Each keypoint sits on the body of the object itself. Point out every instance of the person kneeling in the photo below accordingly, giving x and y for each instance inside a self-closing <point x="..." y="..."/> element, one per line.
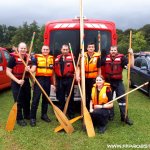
<point x="99" y="109"/>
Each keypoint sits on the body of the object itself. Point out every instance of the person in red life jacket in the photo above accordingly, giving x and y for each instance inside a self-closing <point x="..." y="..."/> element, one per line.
<point x="101" y="94"/>
<point x="64" y="71"/>
<point x="22" y="95"/>
<point x="114" y="64"/>
<point x="42" y="66"/>
<point x="92" y="69"/>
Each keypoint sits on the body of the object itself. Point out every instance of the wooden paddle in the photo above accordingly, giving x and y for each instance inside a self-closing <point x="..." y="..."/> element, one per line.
<point x="68" y="99"/>
<point x="99" y="42"/>
<point x="59" y="114"/>
<point x="13" y="112"/>
<point x="128" y="92"/>
<point x="57" y="129"/>
<point x="87" y="117"/>
<point x="129" y="68"/>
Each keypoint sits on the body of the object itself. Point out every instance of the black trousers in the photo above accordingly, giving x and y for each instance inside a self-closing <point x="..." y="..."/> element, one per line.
<point x="22" y="96"/>
<point x="118" y="87"/>
<point x="45" y="83"/>
<point x="100" y="117"/>
<point x="88" y="87"/>
<point x="62" y="90"/>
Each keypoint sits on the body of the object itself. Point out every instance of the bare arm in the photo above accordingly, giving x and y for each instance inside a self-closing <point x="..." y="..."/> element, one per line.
<point x="91" y="106"/>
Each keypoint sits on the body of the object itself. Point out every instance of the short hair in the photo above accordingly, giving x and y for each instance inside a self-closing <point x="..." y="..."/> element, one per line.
<point x="114" y="46"/>
<point x="65" y="44"/>
<point x="90" y="43"/>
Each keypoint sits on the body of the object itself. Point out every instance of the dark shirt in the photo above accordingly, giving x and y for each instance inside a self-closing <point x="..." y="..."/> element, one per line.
<point x="11" y="62"/>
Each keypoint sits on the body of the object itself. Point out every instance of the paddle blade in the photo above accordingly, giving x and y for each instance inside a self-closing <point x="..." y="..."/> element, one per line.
<point x="71" y="121"/>
<point x="88" y="123"/>
<point x="11" y="118"/>
<point x="63" y="120"/>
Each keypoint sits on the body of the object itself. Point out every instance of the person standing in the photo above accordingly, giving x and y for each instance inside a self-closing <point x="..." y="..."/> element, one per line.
<point x="20" y="88"/>
<point x="92" y="69"/>
<point x="114" y="64"/>
<point x="64" y="71"/>
<point x="101" y="94"/>
<point x="42" y="65"/>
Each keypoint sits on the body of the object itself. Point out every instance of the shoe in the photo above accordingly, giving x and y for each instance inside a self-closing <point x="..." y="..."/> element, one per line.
<point x="45" y="118"/>
<point x="102" y="129"/>
<point x="21" y="123"/>
<point x="32" y="122"/>
<point x="127" y="121"/>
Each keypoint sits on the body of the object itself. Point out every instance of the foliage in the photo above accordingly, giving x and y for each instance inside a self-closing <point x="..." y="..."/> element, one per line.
<point x="10" y="36"/>
<point x="43" y="137"/>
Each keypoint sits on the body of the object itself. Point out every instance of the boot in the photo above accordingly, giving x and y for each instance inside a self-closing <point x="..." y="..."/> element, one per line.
<point x="123" y="119"/>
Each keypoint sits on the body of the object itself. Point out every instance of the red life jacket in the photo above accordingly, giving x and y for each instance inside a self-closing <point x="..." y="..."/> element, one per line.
<point x="68" y="66"/>
<point x="18" y="70"/>
<point x="113" y="68"/>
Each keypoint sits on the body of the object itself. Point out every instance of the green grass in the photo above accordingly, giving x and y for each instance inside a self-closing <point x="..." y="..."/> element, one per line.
<point x="42" y="137"/>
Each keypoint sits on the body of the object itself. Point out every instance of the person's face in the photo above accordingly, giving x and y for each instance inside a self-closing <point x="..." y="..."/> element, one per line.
<point x="113" y="51"/>
<point x="45" y="50"/>
<point x="91" y="48"/>
<point x="99" y="81"/>
<point x="65" y="50"/>
<point x="22" y="48"/>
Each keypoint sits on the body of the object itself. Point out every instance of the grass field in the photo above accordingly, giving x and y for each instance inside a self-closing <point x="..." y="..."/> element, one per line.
<point x="42" y="137"/>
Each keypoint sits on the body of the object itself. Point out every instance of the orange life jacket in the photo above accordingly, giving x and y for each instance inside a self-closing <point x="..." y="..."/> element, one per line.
<point x="113" y="68"/>
<point x="68" y="66"/>
<point x="44" y="65"/>
<point x="91" y="70"/>
<point x="102" y="97"/>
<point x="18" y="70"/>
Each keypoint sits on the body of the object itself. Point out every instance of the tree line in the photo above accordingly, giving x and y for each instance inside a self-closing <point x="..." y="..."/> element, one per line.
<point x="10" y="36"/>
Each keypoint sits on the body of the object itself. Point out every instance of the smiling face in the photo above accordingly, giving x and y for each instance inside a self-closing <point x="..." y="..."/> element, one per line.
<point x="45" y="50"/>
<point x="99" y="81"/>
<point x="22" y="48"/>
<point x="113" y="51"/>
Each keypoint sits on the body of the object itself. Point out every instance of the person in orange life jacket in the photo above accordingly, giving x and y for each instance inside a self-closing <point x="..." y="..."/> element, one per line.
<point x="22" y="95"/>
<point x="64" y="71"/>
<point x="101" y="94"/>
<point x="114" y="64"/>
<point x="92" y="69"/>
<point x="42" y="65"/>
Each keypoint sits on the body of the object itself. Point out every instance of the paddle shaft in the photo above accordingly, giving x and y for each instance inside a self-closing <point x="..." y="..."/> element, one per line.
<point x="68" y="99"/>
<point x="128" y="93"/>
<point x="129" y="68"/>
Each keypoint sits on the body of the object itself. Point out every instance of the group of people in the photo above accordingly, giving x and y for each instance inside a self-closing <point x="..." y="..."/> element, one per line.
<point x="61" y="71"/>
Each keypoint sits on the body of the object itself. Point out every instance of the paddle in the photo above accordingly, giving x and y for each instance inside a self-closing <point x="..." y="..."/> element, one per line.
<point x="128" y="80"/>
<point x="59" y="114"/>
<point x="13" y="112"/>
<point x="87" y="118"/>
<point x="58" y="128"/>
<point x="99" y="42"/>
<point x="128" y="92"/>
<point x="68" y="99"/>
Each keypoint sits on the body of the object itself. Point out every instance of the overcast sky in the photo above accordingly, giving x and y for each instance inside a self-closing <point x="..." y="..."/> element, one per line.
<point x="125" y="13"/>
